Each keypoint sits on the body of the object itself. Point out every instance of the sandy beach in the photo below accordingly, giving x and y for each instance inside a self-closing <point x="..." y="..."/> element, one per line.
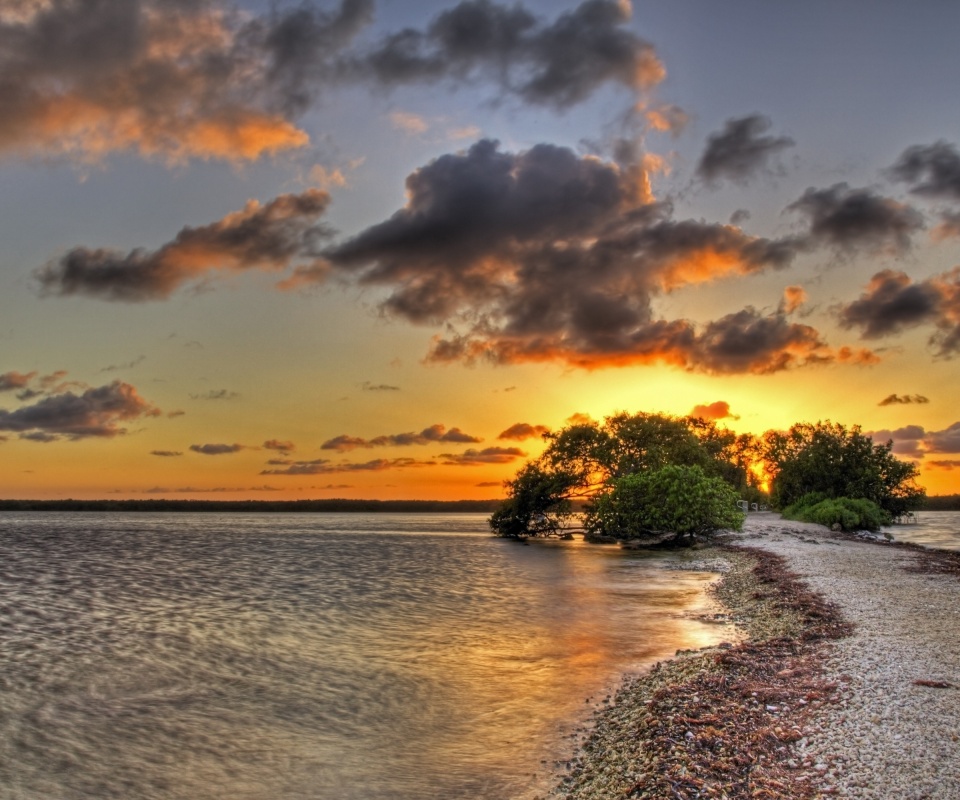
<point x="841" y="679"/>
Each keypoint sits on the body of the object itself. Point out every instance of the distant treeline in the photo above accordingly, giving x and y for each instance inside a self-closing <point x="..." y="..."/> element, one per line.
<point x="942" y="502"/>
<point x="254" y="506"/>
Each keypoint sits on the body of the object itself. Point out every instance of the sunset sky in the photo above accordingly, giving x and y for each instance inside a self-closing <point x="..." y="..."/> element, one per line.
<point x="375" y="249"/>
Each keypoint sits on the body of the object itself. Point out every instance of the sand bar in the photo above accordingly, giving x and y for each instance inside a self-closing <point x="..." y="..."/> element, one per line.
<point x="847" y="685"/>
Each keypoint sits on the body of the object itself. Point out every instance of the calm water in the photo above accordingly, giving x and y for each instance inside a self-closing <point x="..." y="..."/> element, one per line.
<point x="311" y="656"/>
<point x="939" y="529"/>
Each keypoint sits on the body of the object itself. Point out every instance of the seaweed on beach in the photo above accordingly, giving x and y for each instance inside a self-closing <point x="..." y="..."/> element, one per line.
<point x="719" y="723"/>
<point x="940" y="562"/>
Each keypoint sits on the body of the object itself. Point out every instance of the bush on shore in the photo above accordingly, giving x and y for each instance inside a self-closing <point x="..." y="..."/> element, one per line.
<point x="851" y="514"/>
<point x="664" y="505"/>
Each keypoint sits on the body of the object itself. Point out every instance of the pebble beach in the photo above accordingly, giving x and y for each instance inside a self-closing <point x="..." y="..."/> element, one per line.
<point x="841" y="678"/>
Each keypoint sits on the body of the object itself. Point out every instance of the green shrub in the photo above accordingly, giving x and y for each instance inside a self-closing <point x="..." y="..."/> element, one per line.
<point x="668" y="503"/>
<point x="849" y="513"/>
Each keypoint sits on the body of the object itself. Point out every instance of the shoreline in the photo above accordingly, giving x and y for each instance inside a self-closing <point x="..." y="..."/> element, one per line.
<point x="825" y="697"/>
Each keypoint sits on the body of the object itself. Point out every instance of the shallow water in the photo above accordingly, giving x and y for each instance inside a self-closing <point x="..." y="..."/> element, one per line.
<point x="940" y="529"/>
<point x="311" y="656"/>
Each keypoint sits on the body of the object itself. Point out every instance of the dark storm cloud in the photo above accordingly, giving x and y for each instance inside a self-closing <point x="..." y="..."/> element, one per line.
<point x="548" y="255"/>
<point x="430" y="435"/>
<point x="933" y="170"/>
<point x="268" y="237"/>
<point x="740" y="150"/>
<point x="557" y="64"/>
<point x="893" y="302"/>
<point x="748" y="341"/>
<point x="97" y="412"/>
<point x="523" y="430"/>
<point x="857" y="218"/>
<point x="216" y="449"/>
<point x="904" y="399"/>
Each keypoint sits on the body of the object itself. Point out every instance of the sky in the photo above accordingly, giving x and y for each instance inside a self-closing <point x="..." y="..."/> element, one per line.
<point x="271" y="250"/>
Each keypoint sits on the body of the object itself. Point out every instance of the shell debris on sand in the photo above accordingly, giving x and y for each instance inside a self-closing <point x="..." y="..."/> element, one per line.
<point x="831" y="695"/>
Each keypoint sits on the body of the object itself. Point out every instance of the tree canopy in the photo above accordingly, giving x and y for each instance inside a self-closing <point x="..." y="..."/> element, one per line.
<point x="833" y="461"/>
<point x="645" y="475"/>
<point x="592" y="461"/>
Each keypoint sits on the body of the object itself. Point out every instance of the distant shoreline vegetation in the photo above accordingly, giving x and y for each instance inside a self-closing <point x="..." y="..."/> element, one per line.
<point x="258" y="506"/>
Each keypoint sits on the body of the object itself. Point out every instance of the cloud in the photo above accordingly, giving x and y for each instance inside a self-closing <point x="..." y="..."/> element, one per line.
<point x="408" y="122"/>
<point x="914" y="441"/>
<point x="31" y="385"/>
<point x="665" y="118"/>
<point x="174" y="80"/>
<point x="489" y="455"/>
<point x="216" y="490"/>
<point x="579" y="418"/>
<point x="907" y="441"/>
<point x="556" y="64"/>
<point x="547" y="255"/>
<point x="216" y="449"/>
<point x="523" y="430"/>
<point x="849" y="219"/>
<point x="793" y="298"/>
<point x="166" y="453"/>
<point x="431" y="435"/>
<point x="893" y="302"/>
<point x="714" y="411"/>
<point x="126" y="365"/>
<point x="367" y="386"/>
<point x="264" y="237"/>
<point x="740" y="150"/>
<point x="487" y="484"/>
<point x="905" y="399"/>
<point x="934" y="170"/>
<point x="945" y="441"/>
<point x="323" y="466"/>
<point x="949" y="227"/>
<point x="948" y="465"/>
<point x="204" y="79"/>
<point x="280" y="446"/>
<point x="216" y="394"/>
<point x="12" y="381"/>
<point x="96" y="412"/>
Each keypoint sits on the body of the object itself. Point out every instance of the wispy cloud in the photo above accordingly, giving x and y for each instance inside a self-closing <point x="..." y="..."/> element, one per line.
<point x="523" y="430"/>
<point x="430" y="435"/>
<point x="216" y="394"/>
<point x="217" y="449"/>
<point x="903" y="399"/>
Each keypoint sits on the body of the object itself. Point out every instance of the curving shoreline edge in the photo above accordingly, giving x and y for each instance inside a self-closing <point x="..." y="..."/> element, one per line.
<point x="786" y="713"/>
